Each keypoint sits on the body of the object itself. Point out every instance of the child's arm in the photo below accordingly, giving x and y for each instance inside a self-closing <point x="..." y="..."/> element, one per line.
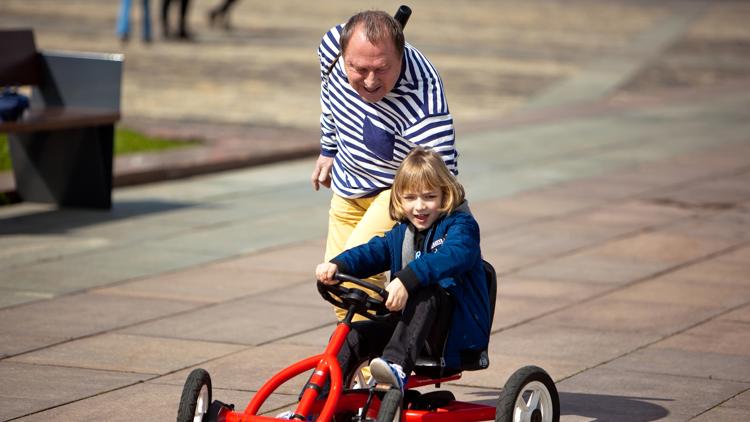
<point x="458" y="253"/>
<point x="365" y="260"/>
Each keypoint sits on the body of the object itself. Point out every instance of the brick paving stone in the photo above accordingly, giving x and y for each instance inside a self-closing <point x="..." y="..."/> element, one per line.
<point x="244" y="321"/>
<point x="624" y="395"/>
<point x="742" y="314"/>
<point x="569" y="290"/>
<point x="541" y="339"/>
<point x="505" y="263"/>
<point x="719" y="336"/>
<point x="32" y="388"/>
<point x="317" y="338"/>
<point x="710" y="273"/>
<point x="213" y="283"/>
<point x="676" y="361"/>
<point x="249" y="369"/>
<point x="522" y="299"/>
<point x="724" y="413"/>
<point x="128" y="353"/>
<point x="511" y="311"/>
<point x="304" y="294"/>
<point x="740" y="257"/>
<point x="740" y="401"/>
<point x="298" y="259"/>
<point x="631" y="215"/>
<point x="137" y="402"/>
<point x="660" y="248"/>
<point x="590" y="266"/>
<point x="732" y="225"/>
<point x="548" y="239"/>
<point x="609" y="314"/>
<point x="673" y="288"/>
<point x="34" y="325"/>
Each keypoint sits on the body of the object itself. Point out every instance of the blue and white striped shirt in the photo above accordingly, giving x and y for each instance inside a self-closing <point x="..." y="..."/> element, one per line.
<point x="369" y="140"/>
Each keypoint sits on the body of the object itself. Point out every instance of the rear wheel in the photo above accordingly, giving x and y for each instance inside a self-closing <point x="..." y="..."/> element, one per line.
<point x="529" y="395"/>
<point x="196" y="397"/>
<point x="360" y="377"/>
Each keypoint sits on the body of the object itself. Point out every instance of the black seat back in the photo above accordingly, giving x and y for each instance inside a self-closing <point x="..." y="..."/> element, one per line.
<point x="430" y="362"/>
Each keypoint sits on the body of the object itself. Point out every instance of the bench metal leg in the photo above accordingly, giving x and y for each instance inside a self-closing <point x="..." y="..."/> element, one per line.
<point x="71" y="167"/>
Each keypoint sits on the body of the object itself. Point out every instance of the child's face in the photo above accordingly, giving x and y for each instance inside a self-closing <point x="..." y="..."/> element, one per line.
<point x="422" y="208"/>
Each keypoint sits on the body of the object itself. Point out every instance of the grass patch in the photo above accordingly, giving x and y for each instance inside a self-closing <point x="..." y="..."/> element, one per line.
<point x="4" y="153"/>
<point x="126" y="142"/>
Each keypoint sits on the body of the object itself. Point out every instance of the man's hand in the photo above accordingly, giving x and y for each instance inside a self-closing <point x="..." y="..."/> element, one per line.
<point x="321" y="174"/>
<point x="325" y="272"/>
<point x="397" y="295"/>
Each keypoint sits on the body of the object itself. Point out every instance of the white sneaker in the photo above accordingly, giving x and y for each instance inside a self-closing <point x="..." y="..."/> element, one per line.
<point x="385" y="372"/>
<point x="285" y="415"/>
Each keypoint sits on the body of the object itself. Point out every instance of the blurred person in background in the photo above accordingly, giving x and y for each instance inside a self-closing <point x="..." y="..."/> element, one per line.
<point x="123" y="21"/>
<point x="219" y="14"/>
<point x="183" y="33"/>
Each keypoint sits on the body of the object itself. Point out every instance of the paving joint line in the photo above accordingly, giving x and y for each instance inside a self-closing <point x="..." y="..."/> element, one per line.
<point x="115" y="330"/>
<point x="651" y="343"/>
<point x="623" y="286"/>
<point x="720" y="403"/>
<point x="697" y="215"/>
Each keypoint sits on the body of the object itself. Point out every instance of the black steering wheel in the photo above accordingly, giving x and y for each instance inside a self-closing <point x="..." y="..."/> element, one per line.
<point x="356" y="298"/>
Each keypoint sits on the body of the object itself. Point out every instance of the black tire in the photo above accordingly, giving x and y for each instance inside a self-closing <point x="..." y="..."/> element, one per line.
<point x="196" y="397"/>
<point x="390" y="406"/>
<point x="529" y="394"/>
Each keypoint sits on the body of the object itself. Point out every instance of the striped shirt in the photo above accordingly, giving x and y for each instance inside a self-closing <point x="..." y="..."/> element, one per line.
<point x="369" y="140"/>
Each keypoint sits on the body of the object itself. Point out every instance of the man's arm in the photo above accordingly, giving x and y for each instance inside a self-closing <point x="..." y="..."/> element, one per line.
<point x="321" y="174"/>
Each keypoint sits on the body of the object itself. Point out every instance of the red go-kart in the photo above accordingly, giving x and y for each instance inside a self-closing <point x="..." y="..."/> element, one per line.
<point x="529" y="394"/>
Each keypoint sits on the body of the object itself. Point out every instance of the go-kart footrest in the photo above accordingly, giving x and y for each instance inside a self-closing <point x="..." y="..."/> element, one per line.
<point x="216" y="408"/>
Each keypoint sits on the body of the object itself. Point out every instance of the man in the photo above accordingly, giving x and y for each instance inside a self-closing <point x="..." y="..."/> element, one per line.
<point x="379" y="100"/>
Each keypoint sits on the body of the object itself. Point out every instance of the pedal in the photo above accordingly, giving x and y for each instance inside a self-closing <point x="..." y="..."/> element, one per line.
<point x="383" y="387"/>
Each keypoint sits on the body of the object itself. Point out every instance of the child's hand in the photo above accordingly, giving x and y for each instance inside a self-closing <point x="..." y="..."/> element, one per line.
<point x="325" y="272"/>
<point x="397" y="295"/>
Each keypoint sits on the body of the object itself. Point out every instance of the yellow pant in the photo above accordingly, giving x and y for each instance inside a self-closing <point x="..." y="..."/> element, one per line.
<point x="352" y="222"/>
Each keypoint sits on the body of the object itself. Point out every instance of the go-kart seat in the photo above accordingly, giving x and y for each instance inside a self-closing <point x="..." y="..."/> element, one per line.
<point x="430" y="363"/>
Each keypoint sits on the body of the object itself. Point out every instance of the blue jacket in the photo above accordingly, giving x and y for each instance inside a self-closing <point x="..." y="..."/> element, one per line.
<point x="452" y="259"/>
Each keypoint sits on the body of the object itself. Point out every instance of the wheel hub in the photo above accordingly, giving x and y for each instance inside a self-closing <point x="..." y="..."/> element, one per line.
<point x="536" y="416"/>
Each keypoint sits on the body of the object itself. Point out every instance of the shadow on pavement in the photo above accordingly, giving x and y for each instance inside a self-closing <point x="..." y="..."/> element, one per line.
<point x="598" y="407"/>
<point x="602" y="407"/>
<point x="56" y="221"/>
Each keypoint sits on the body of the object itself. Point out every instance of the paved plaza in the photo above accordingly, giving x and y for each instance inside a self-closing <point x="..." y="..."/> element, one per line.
<point x="605" y="150"/>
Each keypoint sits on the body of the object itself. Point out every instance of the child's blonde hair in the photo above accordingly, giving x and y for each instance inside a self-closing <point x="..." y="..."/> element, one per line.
<point x="424" y="170"/>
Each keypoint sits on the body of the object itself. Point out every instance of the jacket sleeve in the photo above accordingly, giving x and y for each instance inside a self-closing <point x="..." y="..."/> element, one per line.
<point x="373" y="257"/>
<point x="456" y="255"/>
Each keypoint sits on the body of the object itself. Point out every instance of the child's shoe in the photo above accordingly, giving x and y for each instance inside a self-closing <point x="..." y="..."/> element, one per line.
<point x="388" y="373"/>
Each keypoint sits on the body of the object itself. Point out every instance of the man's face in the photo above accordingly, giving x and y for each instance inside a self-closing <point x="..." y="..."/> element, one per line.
<point x="372" y="69"/>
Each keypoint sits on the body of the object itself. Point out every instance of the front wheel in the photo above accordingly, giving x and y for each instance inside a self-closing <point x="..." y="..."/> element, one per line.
<point x="390" y="406"/>
<point x="529" y="395"/>
<point x="196" y="397"/>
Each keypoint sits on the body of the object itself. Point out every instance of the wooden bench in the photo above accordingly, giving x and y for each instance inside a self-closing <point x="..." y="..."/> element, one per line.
<point x="62" y="148"/>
